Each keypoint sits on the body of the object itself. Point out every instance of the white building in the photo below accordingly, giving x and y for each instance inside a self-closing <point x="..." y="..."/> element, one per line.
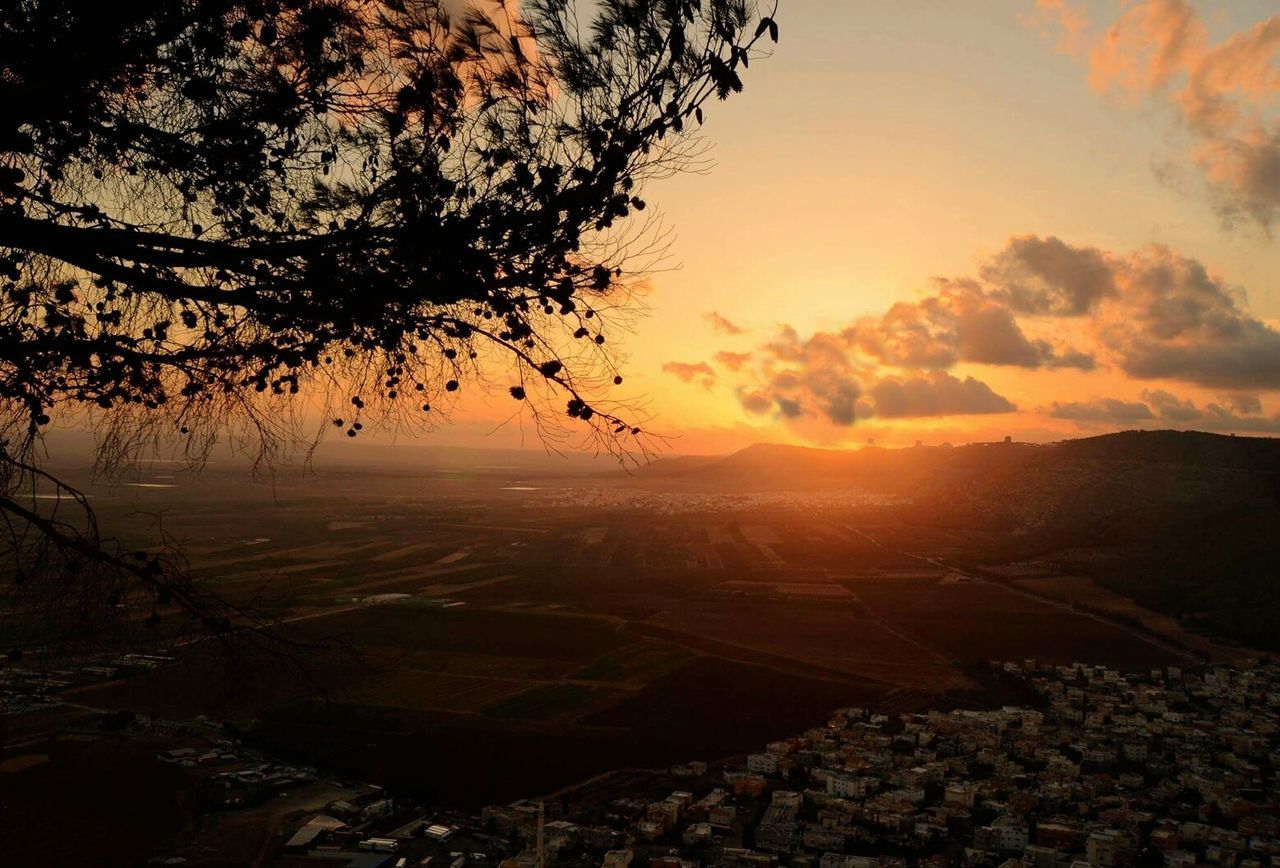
<point x="762" y="763"/>
<point x="1009" y="835"/>
<point x="1102" y="849"/>
<point x="847" y="787"/>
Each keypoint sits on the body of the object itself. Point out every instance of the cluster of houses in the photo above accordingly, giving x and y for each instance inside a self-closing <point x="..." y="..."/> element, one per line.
<point x="683" y="502"/>
<point x="27" y="688"/>
<point x="368" y="829"/>
<point x="1166" y="769"/>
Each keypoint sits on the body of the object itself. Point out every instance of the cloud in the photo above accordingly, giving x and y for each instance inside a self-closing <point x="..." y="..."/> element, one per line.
<point x="756" y="403"/>
<point x="722" y="325"/>
<point x="822" y="378"/>
<point x="1046" y="276"/>
<point x="1161" y="408"/>
<point x="1244" y="175"/>
<point x="1063" y="16"/>
<point x="812" y="377"/>
<point x="1171" y="407"/>
<point x="960" y="323"/>
<point x="1109" y="410"/>
<point x="692" y="371"/>
<point x="1244" y="403"/>
<point x="1224" y="94"/>
<point x="1147" y="46"/>
<point x="1218" y="418"/>
<point x="733" y="362"/>
<point x="935" y="393"/>
<point x="789" y="407"/>
<point x="1152" y="314"/>
<point x="1156" y="313"/>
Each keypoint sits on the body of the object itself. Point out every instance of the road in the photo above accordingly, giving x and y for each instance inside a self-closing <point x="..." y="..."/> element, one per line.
<point x="1137" y="633"/>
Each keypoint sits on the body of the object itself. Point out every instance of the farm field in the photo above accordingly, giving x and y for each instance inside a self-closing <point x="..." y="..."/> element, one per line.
<point x="456" y="637"/>
<point x="1087" y="595"/>
<point x="948" y="616"/>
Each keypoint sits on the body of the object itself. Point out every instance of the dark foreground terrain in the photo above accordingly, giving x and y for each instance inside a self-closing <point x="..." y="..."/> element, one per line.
<point x="477" y="632"/>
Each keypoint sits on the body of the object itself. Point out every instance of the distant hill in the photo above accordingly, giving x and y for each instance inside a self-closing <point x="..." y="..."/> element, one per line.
<point x="768" y="466"/>
<point x="1184" y="522"/>
<point x="1195" y="448"/>
<point x="924" y="469"/>
<point x="1107" y="487"/>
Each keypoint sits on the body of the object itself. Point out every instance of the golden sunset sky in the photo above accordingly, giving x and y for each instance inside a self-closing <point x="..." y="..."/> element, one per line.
<point x="955" y="221"/>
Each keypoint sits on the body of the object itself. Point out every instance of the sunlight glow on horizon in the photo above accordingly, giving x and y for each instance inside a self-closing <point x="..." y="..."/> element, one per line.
<point x="887" y="144"/>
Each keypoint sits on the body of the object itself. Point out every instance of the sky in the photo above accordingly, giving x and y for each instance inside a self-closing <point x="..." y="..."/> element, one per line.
<point x="940" y="222"/>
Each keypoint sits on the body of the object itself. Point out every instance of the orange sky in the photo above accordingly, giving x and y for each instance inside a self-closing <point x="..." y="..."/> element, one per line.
<point x="956" y="221"/>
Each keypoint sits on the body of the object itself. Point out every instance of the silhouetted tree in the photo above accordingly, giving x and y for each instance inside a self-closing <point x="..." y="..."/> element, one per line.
<point x="210" y="206"/>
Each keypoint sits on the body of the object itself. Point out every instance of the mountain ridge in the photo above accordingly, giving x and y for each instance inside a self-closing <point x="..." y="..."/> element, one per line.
<point x="777" y="465"/>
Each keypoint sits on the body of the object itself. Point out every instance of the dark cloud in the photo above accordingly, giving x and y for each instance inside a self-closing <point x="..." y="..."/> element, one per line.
<point x="812" y="377"/>
<point x="733" y="361"/>
<point x="756" y="403"/>
<point x="1244" y="171"/>
<point x="837" y="401"/>
<point x="1160" y="408"/>
<point x="820" y="378"/>
<point x="1250" y="360"/>
<point x="1107" y="410"/>
<point x="905" y="336"/>
<point x="1171" y="407"/>
<point x="1248" y="404"/>
<point x="961" y="322"/>
<point x="1219" y="418"/>
<point x="1153" y="314"/>
<point x="789" y="407"/>
<point x="1158" y="314"/>
<point x="1046" y="276"/>
<point x="722" y="325"/>
<point x="692" y="371"/>
<point x="1078" y="359"/>
<point x="1240" y="413"/>
<point x="935" y="393"/>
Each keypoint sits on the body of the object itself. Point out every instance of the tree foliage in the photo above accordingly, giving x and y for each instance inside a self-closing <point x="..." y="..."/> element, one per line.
<point x="219" y="218"/>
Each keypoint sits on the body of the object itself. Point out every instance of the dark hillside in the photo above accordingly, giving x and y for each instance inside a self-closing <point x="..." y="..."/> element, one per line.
<point x="1184" y="522"/>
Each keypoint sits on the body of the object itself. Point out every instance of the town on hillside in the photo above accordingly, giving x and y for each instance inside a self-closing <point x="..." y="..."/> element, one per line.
<point x="1171" y="767"/>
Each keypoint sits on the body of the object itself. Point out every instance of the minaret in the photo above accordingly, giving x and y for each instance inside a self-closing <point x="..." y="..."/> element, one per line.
<point x="541" y="856"/>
